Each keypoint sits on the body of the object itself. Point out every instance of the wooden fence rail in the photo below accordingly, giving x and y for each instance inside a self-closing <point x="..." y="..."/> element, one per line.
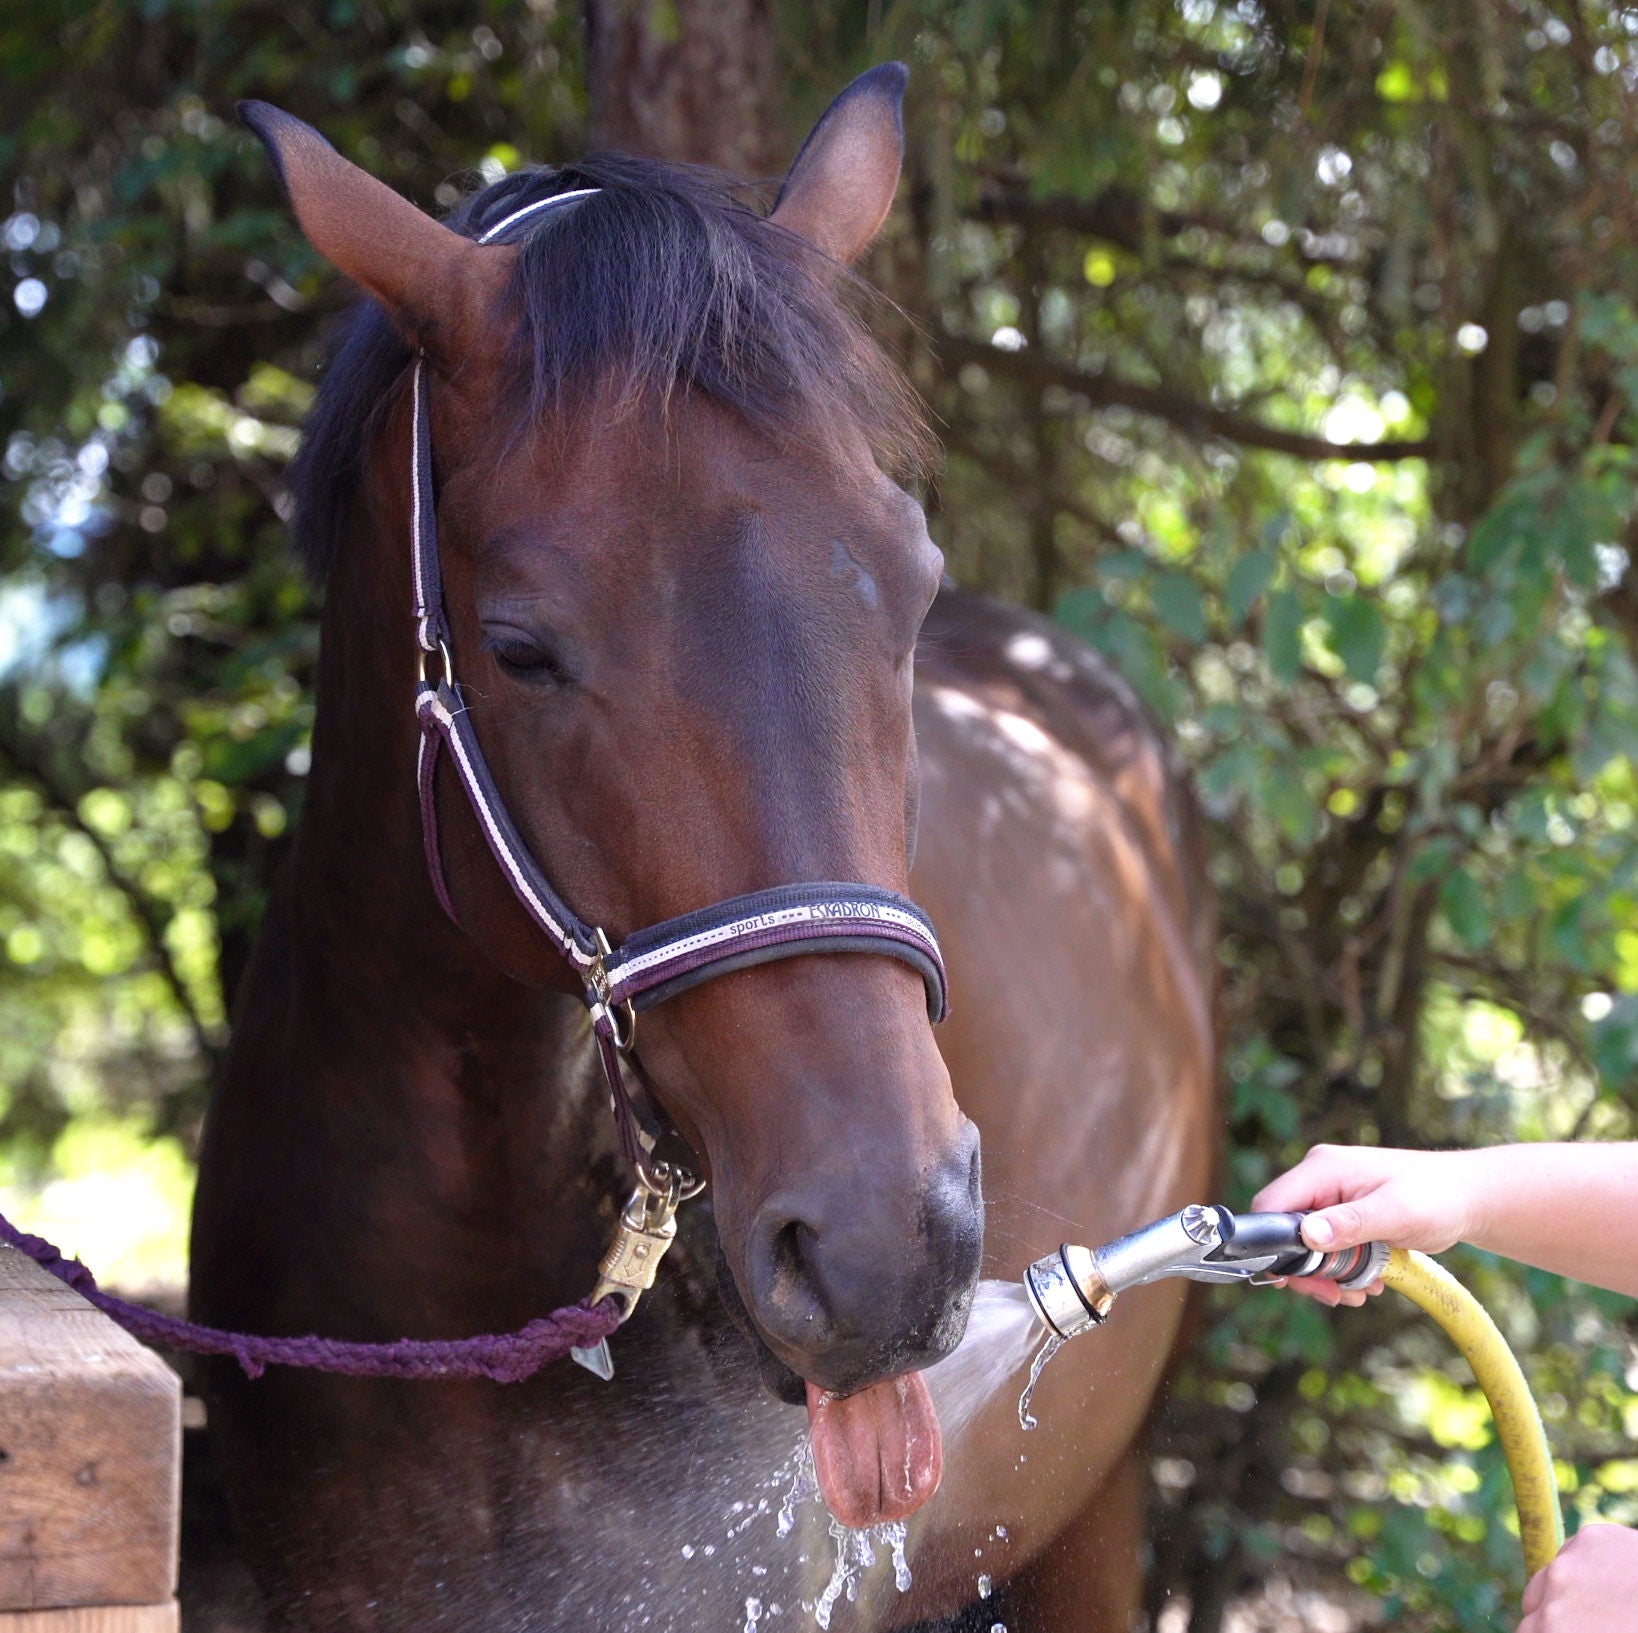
<point x="90" y="1466"/>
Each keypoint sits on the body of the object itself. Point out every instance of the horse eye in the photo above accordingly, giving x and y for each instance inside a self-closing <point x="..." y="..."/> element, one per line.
<point x="527" y="657"/>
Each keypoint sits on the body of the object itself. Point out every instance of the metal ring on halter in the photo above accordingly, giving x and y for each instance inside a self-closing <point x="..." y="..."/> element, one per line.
<point x="598" y="976"/>
<point x="665" y="1180"/>
<point x="445" y="657"/>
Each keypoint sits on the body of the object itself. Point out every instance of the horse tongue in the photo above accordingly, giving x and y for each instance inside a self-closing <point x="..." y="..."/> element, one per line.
<point x="879" y="1454"/>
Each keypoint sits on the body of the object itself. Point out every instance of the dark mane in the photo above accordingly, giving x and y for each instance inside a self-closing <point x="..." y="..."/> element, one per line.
<point x="665" y="278"/>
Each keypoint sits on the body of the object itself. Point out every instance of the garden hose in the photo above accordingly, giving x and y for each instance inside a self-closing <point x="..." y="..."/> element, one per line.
<point x="1518" y="1423"/>
<point x="1073" y="1290"/>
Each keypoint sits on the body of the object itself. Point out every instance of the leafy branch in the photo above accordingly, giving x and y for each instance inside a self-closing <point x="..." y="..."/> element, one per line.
<point x="1186" y="414"/>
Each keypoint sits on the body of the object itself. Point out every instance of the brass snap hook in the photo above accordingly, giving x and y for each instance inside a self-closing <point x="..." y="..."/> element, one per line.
<point x="647" y="1228"/>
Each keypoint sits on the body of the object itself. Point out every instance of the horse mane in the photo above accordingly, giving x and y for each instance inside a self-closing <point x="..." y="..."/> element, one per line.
<point x="666" y="278"/>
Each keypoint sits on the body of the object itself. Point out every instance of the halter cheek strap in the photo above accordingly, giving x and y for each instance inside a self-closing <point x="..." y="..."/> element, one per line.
<point x="650" y="965"/>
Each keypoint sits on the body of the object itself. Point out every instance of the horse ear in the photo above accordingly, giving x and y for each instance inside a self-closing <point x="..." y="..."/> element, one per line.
<point x="430" y="280"/>
<point x="841" y="187"/>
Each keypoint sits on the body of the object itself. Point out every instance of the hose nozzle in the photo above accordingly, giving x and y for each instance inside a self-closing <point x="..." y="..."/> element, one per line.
<point x="1067" y="1291"/>
<point x="1073" y="1289"/>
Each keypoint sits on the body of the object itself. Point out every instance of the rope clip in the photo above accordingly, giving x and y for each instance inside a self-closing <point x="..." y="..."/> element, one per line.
<point x="642" y="1238"/>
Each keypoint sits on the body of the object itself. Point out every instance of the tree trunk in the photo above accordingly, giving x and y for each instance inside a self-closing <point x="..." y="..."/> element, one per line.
<point x="685" y="79"/>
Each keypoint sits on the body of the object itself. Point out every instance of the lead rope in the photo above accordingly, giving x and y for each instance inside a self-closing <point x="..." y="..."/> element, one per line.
<point x="503" y="1357"/>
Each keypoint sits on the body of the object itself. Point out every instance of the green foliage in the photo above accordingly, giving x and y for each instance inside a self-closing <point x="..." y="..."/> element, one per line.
<point x="1167" y="263"/>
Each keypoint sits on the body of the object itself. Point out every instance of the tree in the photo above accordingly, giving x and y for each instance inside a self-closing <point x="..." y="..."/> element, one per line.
<point x="695" y="80"/>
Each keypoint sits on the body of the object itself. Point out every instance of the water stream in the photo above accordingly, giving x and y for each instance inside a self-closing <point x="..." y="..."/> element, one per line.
<point x="1050" y="1346"/>
<point x="1001" y="1333"/>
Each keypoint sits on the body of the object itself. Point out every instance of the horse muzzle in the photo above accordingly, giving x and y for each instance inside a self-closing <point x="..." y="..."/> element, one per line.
<point x="851" y="1282"/>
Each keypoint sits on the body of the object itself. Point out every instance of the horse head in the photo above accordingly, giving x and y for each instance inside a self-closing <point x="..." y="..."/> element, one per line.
<point x="683" y="591"/>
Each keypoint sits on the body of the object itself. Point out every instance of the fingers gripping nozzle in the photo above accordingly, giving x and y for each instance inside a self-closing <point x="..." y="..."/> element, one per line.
<point x="1074" y="1288"/>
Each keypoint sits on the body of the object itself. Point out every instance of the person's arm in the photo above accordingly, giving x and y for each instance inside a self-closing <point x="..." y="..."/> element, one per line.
<point x="1568" y="1208"/>
<point x="1592" y="1585"/>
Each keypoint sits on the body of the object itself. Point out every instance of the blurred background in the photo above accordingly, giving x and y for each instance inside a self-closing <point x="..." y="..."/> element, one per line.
<point x="1287" y="352"/>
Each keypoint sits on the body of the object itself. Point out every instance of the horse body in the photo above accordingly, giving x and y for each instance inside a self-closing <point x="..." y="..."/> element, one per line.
<point x="410" y="1138"/>
<point x="1060" y="857"/>
<point x="400" y="1150"/>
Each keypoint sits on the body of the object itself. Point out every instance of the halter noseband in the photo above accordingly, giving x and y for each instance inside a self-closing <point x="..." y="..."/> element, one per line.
<point x="665" y="959"/>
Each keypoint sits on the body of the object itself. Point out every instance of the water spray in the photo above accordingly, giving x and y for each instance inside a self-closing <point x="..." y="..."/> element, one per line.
<point x="1073" y="1290"/>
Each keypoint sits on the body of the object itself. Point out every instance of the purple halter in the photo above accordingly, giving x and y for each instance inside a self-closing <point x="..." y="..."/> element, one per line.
<point x="656" y="963"/>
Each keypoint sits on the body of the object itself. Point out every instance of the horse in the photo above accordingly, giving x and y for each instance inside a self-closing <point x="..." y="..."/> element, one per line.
<point x="706" y="644"/>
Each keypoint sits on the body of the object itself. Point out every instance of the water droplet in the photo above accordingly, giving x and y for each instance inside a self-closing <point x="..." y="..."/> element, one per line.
<point x="688" y="1550"/>
<point x="855" y="1554"/>
<point x="1047" y="1350"/>
<point x="896" y="1534"/>
<point x="998" y="1627"/>
<point x="709" y="1549"/>
<point x="985" y="1586"/>
<point x="804" y="1486"/>
<point x="840" y="1576"/>
<point x="753" y="1614"/>
<point x="1001" y="1532"/>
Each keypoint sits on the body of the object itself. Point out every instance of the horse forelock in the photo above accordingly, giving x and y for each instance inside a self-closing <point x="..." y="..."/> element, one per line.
<point x="667" y="277"/>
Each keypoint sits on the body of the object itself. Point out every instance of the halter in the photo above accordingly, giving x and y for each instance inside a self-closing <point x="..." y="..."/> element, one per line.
<point x="650" y="965"/>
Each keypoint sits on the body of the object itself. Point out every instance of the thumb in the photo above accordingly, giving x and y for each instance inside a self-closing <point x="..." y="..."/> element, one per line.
<point x="1383" y="1215"/>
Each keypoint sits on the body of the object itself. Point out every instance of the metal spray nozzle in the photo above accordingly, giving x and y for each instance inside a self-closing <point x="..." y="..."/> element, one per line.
<point x="1074" y="1288"/>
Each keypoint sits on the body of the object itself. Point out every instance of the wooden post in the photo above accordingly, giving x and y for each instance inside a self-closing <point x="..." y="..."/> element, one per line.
<point x="90" y="1466"/>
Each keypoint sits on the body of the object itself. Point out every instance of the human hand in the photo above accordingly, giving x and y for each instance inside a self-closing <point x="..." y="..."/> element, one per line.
<point x="1357" y="1194"/>
<point x="1592" y="1587"/>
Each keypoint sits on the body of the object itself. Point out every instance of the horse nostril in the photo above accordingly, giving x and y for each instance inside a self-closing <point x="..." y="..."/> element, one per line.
<point x="794" y="1254"/>
<point x="787" y="1282"/>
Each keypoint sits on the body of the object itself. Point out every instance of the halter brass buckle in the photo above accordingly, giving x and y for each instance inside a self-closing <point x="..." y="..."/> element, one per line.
<point x="647" y="1228"/>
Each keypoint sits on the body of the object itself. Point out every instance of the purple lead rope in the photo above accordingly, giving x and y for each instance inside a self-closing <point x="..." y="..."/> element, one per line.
<point x="503" y="1357"/>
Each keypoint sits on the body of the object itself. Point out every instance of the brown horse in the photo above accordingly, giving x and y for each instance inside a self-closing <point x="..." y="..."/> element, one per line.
<point x="685" y="595"/>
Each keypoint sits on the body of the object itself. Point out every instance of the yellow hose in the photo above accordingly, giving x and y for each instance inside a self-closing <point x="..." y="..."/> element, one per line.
<point x="1518" y="1423"/>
